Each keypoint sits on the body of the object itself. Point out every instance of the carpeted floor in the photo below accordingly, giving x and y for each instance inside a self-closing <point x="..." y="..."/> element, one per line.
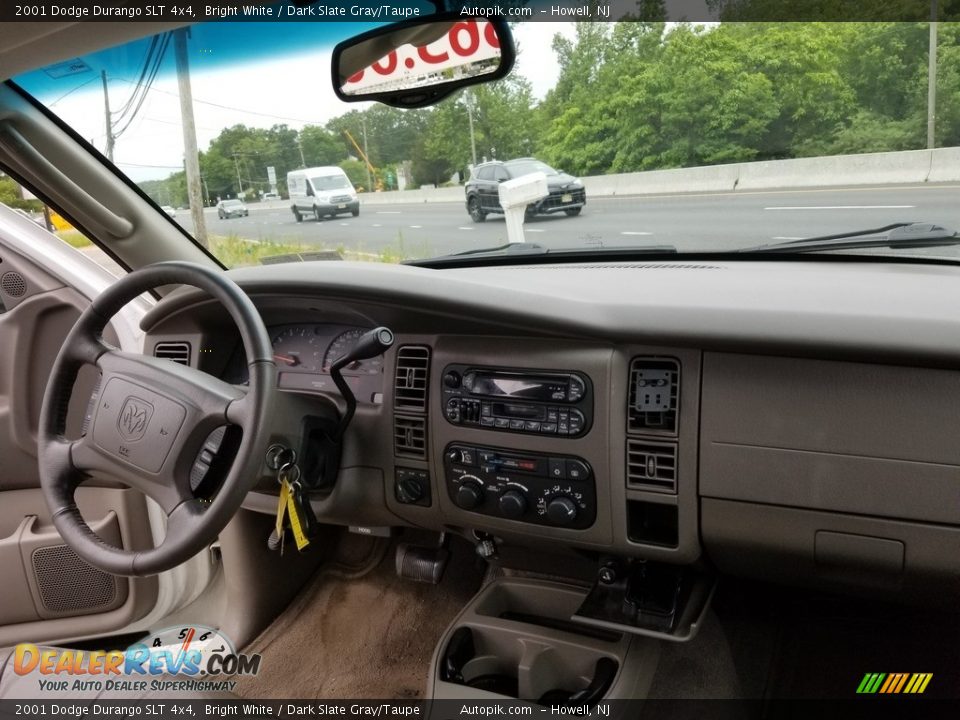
<point x="359" y="631"/>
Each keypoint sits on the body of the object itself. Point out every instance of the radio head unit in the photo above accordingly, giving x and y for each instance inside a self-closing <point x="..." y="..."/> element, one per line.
<point x="541" y="402"/>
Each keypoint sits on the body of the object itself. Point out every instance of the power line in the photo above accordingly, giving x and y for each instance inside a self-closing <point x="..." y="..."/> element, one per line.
<point x="141" y="165"/>
<point x="70" y="92"/>
<point x="158" y="61"/>
<point x="228" y="107"/>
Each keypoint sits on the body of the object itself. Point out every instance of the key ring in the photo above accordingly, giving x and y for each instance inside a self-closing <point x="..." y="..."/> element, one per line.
<point x="289" y="472"/>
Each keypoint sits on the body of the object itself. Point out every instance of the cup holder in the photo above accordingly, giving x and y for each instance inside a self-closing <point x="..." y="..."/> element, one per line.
<point x="524" y="668"/>
<point x="490" y="675"/>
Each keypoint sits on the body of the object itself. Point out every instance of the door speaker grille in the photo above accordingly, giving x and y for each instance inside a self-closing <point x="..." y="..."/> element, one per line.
<point x="13" y="284"/>
<point x="68" y="584"/>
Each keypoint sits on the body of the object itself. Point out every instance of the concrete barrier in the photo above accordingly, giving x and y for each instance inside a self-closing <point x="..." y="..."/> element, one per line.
<point x="893" y="168"/>
<point x="945" y="165"/>
<point x="912" y="166"/>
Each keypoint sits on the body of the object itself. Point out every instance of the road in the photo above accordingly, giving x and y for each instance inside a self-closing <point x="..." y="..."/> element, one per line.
<point x="689" y="222"/>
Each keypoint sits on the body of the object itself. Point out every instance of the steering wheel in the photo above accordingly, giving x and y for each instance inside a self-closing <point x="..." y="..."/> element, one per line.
<point x="151" y="419"/>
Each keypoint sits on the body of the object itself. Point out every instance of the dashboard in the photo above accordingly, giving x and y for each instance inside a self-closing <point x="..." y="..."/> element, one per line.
<point x="789" y="421"/>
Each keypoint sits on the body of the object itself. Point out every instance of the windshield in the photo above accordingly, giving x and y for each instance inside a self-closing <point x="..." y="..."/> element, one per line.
<point x="525" y="167"/>
<point x="330" y="182"/>
<point x="232" y="203"/>
<point x="699" y="137"/>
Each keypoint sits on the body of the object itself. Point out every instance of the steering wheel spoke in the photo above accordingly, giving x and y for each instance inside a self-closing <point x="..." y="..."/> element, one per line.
<point x="90" y="460"/>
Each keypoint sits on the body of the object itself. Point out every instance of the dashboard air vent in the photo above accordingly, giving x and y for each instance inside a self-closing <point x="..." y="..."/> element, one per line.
<point x="410" y="436"/>
<point x="654" y="395"/>
<point x="412" y="376"/>
<point x="179" y="352"/>
<point x="652" y="466"/>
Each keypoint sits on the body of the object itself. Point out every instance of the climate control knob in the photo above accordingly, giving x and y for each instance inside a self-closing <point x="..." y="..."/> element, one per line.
<point x="561" y="511"/>
<point x="470" y="493"/>
<point x="513" y="504"/>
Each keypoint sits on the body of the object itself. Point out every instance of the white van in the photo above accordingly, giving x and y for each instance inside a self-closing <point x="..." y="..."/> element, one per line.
<point x="321" y="191"/>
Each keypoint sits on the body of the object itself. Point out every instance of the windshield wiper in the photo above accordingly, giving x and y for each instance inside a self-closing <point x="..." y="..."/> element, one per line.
<point x="518" y="253"/>
<point x="905" y="235"/>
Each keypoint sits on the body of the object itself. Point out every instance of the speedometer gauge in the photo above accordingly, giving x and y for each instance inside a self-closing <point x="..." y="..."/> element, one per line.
<point x="297" y="348"/>
<point x="344" y="342"/>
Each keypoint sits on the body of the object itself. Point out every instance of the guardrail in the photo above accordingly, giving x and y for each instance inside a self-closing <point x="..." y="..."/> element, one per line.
<point x="892" y="168"/>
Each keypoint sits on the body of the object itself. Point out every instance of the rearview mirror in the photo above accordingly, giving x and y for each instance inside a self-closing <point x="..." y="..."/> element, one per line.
<point x="419" y="62"/>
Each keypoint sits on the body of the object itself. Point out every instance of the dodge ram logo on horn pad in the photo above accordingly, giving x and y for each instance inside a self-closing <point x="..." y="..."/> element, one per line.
<point x="134" y="418"/>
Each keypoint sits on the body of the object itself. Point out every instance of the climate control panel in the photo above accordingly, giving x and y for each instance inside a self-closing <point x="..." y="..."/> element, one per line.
<point x="554" y="490"/>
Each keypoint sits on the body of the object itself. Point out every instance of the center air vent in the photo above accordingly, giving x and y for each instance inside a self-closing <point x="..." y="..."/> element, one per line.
<point x="651" y="466"/>
<point x="654" y="396"/>
<point x="410" y="436"/>
<point x="178" y="352"/>
<point x="410" y="386"/>
<point x="413" y="371"/>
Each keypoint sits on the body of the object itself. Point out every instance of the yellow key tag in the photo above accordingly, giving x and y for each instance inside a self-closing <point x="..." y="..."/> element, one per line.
<point x="282" y="507"/>
<point x="295" y="523"/>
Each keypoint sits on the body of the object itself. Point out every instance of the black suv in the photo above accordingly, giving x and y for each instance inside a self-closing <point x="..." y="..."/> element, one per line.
<point x="483" y="188"/>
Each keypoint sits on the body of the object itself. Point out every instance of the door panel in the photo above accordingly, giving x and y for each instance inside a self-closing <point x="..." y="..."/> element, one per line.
<point x="47" y="593"/>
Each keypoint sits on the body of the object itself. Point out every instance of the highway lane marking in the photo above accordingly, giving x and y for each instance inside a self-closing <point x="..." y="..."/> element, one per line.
<point x="839" y="207"/>
<point x="787" y="237"/>
<point x="635" y="232"/>
<point x="377" y="225"/>
<point x="534" y="230"/>
<point x="388" y="212"/>
<point x="464" y="228"/>
<point x="416" y="227"/>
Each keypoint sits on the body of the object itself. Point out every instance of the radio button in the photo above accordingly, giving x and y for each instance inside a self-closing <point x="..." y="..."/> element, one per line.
<point x="486" y="421"/>
<point x="553" y="415"/>
<point x="549" y="428"/>
<point x="531" y="426"/>
<point x="576" y="422"/>
<point x="501" y="422"/>
<point x="576" y="389"/>
<point x="453" y="410"/>
<point x="486" y="410"/>
<point x="452" y="379"/>
<point x="516" y="424"/>
<point x="577" y="470"/>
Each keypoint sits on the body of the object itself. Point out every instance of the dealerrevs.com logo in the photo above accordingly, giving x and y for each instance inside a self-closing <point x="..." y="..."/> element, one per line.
<point x="185" y="658"/>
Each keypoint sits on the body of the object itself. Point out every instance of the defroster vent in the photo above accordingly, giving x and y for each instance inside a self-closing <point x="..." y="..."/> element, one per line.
<point x="652" y="466"/>
<point x="654" y="396"/>
<point x="178" y="352"/>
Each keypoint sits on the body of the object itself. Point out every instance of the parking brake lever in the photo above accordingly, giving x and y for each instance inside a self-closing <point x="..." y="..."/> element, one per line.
<point x="371" y="344"/>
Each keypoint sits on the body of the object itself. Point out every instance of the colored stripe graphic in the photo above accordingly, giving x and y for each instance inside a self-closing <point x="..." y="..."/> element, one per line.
<point x="894" y="683"/>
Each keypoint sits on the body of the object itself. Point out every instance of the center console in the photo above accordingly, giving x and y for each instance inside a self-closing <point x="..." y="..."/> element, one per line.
<point x="516" y="640"/>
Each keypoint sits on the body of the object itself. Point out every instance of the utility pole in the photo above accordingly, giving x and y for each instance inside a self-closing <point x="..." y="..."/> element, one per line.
<point x="366" y="153"/>
<point x="191" y="154"/>
<point x="303" y="163"/>
<point x="932" y="79"/>
<point x="468" y="98"/>
<point x="236" y="164"/>
<point x="106" y="115"/>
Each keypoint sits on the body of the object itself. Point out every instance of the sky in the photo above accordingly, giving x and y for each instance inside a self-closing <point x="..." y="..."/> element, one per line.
<point x="294" y="89"/>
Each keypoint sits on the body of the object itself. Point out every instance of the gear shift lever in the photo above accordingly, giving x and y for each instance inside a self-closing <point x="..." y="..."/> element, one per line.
<point x="371" y="343"/>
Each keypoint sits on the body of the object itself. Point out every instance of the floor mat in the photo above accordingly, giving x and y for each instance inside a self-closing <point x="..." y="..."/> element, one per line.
<point x="360" y="631"/>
